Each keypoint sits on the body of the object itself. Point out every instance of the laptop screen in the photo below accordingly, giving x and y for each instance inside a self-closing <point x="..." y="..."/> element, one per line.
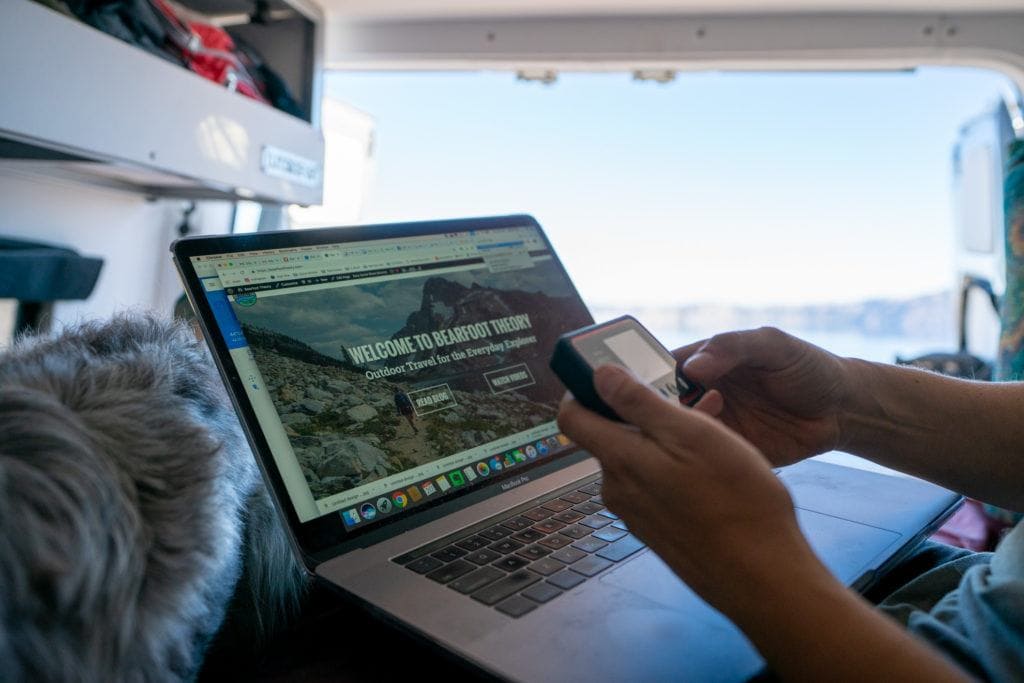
<point x="386" y="374"/>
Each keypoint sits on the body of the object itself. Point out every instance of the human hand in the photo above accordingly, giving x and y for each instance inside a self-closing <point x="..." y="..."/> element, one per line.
<point x="706" y="501"/>
<point x="702" y="497"/>
<point x="782" y="394"/>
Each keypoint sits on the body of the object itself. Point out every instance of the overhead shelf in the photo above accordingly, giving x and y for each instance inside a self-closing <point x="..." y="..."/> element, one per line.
<point x="91" y="107"/>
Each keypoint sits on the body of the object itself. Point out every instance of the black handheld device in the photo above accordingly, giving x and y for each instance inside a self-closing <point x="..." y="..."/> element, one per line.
<point x="622" y="341"/>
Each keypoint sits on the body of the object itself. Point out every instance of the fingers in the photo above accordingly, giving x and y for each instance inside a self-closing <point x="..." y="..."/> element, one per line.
<point x="711" y="403"/>
<point x="610" y="442"/>
<point x="765" y="347"/>
<point x="684" y="352"/>
<point x="639" y="405"/>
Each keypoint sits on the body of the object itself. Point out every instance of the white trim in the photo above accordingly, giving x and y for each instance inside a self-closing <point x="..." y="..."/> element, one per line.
<point x="615" y="43"/>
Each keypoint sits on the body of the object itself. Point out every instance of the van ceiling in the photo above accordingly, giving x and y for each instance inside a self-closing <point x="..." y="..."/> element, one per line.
<point x="538" y="38"/>
<point x="438" y="9"/>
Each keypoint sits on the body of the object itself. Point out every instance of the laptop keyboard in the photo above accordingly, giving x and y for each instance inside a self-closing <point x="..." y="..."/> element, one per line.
<point x="529" y="557"/>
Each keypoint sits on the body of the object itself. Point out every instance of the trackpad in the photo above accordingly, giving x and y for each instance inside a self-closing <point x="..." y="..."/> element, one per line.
<point x="683" y="639"/>
<point x="847" y="548"/>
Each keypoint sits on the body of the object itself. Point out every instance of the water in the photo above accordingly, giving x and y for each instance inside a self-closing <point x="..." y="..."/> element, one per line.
<point x="881" y="348"/>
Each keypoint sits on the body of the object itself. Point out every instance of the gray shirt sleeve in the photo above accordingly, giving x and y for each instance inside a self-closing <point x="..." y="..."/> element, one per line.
<point x="972" y="609"/>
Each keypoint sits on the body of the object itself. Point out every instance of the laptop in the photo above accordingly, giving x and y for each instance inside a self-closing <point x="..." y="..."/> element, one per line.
<point x="393" y="382"/>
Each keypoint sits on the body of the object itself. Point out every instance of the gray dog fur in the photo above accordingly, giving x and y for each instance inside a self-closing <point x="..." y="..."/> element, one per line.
<point x="131" y="509"/>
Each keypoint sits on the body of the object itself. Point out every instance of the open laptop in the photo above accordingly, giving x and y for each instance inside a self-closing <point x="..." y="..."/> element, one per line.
<point x="393" y="382"/>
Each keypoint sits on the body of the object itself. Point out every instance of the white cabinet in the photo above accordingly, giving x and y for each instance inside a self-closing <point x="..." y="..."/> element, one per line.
<point x="78" y="103"/>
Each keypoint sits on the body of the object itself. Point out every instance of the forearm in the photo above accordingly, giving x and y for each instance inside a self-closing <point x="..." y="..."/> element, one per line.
<point x="967" y="436"/>
<point x="809" y="627"/>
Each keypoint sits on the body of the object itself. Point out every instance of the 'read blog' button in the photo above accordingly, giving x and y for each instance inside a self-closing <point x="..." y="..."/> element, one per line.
<point x="432" y="399"/>
<point x="507" y="379"/>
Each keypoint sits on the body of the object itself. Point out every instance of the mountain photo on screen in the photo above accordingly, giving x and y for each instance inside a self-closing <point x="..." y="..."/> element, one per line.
<point x="373" y="379"/>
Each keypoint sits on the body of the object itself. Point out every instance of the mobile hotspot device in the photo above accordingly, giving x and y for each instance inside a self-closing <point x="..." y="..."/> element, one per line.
<point x="625" y="342"/>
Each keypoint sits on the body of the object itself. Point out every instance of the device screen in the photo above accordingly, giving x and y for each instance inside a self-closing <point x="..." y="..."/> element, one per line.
<point x="639" y="356"/>
<point x="628" y="344"/>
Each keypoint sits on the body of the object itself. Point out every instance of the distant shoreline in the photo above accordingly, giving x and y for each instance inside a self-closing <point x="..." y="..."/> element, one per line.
<point x="928" y="316"/>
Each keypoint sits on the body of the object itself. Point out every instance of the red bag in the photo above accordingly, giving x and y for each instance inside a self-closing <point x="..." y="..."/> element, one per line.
<point x="210" y="52"/>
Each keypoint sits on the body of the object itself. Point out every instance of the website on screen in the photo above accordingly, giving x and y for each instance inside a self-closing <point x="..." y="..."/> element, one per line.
<point x="387" y="373"/>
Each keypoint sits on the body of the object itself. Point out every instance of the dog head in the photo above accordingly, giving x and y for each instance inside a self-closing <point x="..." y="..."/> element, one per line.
<point x="128" y="498"/>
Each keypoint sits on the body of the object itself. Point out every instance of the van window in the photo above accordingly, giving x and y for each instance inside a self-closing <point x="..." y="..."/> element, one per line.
<point x="820" y="203"/>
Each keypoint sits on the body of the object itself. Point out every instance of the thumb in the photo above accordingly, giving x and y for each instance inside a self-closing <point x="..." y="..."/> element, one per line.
<point x="764" y="348"/>
<point x="638" y="404"/>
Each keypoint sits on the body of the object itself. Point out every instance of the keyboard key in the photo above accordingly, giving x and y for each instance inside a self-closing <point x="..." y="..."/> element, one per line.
<point x="546" y="566"/>
<point x="424" y="564"/>
<point x="589" y="545"/>
<point x="505" y="547"/>
<point x="484" y="556"/>
<point x="589" y="566"/>
<point x="541" y="592"/>
<point x="557" y="505"/>
<point x="533" y="552"/>
<point x="610" y="534"/>
<point x="566" y="579"/>
<point x="568" y="517"/>
<point x="502" y="588"/>
<point x="451" y="571"/>
<point x="476" y="580"/>
<point x="598" y="499"/>
<point x="496" y="533"/>
<point x="548" y="526"/>
<point x="517" y="523"/>
<point x="537" y="514"/>
<point x="404" y="559"/>
<point x="516" y="606"/>
<point x="576" y="532"/>
<point x="595" y="522"/>
<point x="621" y="549"/>
<point x="619" y="524"/>
<point x="609" y="514"/>
<point x="568" y="555"/>
<point x="448" y="554"/>
<point x="511" y="563"/>
<point x="528" y="536"/>
<point x="576" y="497"/>
<point x="473" y="543"/>
<point x="592" y="489"/>
<point x="556" y="541"/>
<point x="588" y="508"/>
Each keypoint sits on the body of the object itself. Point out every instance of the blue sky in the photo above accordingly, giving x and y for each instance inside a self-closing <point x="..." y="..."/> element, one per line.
<point x="715" y="188"/>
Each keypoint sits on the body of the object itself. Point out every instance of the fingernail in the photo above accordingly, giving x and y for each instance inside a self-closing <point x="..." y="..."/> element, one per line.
<point x="608" y="379"/>
<point x="697" y="361"/>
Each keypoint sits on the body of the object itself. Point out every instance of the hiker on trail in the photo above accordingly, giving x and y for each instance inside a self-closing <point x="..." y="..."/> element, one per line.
<point x="404" y="406"/>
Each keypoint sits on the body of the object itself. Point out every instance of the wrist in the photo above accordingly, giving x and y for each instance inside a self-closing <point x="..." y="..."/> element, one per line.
<point x="765" y="586"/>
<point x="861" y="416"/>
<point x="745" y="575"/>
<point x="803" y="621"/>
<point x="889" y="410"/>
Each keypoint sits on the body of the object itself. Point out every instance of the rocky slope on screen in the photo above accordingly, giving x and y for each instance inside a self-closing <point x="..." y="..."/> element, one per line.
<point x="344" y="428"/>
<point x="446" y="304"/>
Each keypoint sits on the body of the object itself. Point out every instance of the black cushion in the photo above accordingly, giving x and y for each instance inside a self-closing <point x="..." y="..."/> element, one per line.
<point x="32" y="271"/>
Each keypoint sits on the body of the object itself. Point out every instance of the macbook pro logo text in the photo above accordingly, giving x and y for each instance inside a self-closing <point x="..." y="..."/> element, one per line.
<point x="518" y="481"/>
